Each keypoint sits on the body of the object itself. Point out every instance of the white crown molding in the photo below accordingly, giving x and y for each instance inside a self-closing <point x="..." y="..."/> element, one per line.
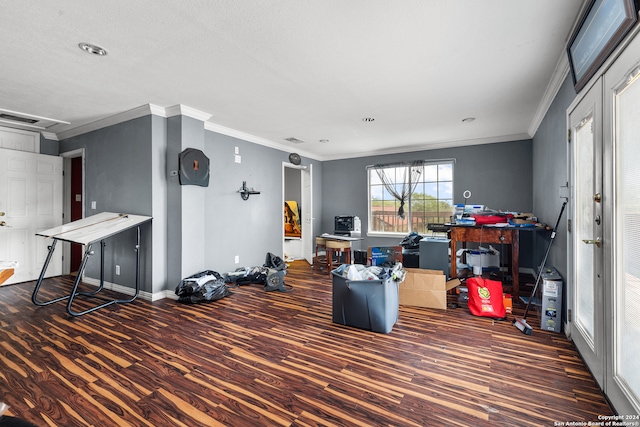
<point x="177" y="110"/>
<point x="435" y="146"/>
<point x="143" y="110"/>
<point x="559" y="74"/>
<point x="49" y="135"/>
<point x="157" y="110"/>
<point x="256" y="140"/>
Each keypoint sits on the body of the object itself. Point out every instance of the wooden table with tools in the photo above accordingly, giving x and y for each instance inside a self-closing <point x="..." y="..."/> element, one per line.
<point x="488" y="234"/>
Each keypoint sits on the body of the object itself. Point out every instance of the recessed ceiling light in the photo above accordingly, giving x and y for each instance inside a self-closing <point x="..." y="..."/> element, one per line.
<point x="92" y="49"/>
<point x="368" y="119"/>
<point x="468" y="119"/>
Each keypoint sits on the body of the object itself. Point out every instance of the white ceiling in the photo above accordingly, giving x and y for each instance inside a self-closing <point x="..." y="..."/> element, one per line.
<point x="309" y="69"/>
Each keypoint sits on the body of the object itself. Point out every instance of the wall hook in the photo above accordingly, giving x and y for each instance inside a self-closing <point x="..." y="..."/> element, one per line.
<point x="246" y="192"/>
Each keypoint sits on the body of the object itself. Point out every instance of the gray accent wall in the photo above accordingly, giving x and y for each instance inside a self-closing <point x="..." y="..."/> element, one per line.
<point x="498" y="175"/>
<point x="129" y="165"/>
<point x="49" y="146"/>
<point x="118" y="177"/>
<point x="246" y="228"/>
<point x="129" y="168"/>
<point x="293" y="184"/>
<point x="159" y="185"/>
<point x="550" y="165"/>
<point x="185" y="203"/>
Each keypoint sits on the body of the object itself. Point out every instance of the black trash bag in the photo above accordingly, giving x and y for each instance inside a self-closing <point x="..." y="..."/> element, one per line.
<point x="274" y="262"/>
<point x="247" y="276"/>
<point x="190" y="284"/>
<point x="411" y="241"/>
<point x="205" y="286"/>
<point x="208" y="292"/>
<point x="234" y="276"/>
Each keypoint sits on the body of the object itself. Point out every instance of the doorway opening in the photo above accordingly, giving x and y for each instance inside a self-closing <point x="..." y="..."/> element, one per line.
<point x="73" y="206"/>
<point x="297" y="222"/>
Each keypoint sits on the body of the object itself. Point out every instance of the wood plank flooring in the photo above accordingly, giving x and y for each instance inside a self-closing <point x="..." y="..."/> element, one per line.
<point x="277" y="359"/>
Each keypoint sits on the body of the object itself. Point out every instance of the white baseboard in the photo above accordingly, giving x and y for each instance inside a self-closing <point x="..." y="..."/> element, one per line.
<point x="148" y="296"/>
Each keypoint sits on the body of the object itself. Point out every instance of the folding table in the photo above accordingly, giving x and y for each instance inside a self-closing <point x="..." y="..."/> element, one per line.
<point x="87" y="231"/>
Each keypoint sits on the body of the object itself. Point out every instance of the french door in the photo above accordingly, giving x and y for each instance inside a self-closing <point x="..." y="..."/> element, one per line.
<point x="586" y="242"/>
<point x="604" y="240"/>
<point x="622" y="179"/>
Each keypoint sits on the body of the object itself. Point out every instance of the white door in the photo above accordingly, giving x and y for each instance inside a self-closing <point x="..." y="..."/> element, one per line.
<point x="586" y="244"/>
<point x="308" y="239"/>
<point x="31" y="200"/>
<point x="622" y="180"/>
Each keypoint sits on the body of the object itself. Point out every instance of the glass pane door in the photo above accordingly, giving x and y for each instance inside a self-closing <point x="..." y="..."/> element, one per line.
<point x="584" y="215"/>
<point x="627" y="237"/>
<point x="586" y="244"/>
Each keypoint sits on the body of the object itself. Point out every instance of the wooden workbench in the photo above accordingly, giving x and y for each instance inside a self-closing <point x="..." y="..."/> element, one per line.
<point x="488" y="234"/>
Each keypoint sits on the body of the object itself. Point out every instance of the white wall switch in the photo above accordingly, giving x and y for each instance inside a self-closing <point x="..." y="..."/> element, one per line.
<point x="238" y="159"/>
<point x="93" y="204"/>
<point x="237" y="259"/>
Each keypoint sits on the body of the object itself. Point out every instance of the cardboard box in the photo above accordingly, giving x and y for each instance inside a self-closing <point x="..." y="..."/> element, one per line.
<point x="425" y="288"/>
<point x="519" y="221"/>
<point x="377" y="255"/>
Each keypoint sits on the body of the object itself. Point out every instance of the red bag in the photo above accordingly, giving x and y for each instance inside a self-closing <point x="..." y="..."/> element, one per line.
<point x="485" y="297"/>
<point x="492" y="219"/>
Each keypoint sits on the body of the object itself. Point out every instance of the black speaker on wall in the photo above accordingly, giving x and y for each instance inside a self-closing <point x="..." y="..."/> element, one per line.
<point x="193" y="168"/>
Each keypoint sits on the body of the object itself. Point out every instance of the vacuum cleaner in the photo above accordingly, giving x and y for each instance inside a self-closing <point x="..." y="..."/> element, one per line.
<point x="522" y="324"/>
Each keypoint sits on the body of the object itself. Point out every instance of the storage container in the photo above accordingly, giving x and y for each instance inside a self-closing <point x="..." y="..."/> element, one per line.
<point x="365" y="304"/>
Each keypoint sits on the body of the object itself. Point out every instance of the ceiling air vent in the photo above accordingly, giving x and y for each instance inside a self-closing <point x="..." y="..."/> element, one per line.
<point x="26" y="121"/>
<point x="17" y="118"/>
<point x="294" y="140"/>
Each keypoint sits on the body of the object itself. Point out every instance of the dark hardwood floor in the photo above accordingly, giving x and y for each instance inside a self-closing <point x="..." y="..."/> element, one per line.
<point x="276" y="359"/>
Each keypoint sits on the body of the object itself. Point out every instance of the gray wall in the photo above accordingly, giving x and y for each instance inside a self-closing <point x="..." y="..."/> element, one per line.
<point x="185" y="203"/>
<point x="159" y="181"/>
<point x="498" y="176"/>
<point x="128" y="168"/>
<point x="118" y="177"/>
<point x="248" y="228"/>
<point x="550" y="151"/>
<point x="292" y="184"/>
<point x="48" y="146"/>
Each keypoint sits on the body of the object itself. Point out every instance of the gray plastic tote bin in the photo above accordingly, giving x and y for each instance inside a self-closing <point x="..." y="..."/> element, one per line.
<point x="365" y="304"/>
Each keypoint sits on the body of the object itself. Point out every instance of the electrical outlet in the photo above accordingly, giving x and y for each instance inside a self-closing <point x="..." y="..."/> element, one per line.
<point x="237" y="259"/>
<point x="93" y="204"/>
<point x="117" y="270"/>
<point x="238" y="158"/>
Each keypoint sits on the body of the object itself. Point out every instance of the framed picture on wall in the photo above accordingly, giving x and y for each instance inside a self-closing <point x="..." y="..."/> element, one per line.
<point x="600" y="29"/>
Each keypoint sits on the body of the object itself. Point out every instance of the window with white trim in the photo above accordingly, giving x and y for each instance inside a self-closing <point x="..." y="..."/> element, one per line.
<point x="405" y="197"/>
